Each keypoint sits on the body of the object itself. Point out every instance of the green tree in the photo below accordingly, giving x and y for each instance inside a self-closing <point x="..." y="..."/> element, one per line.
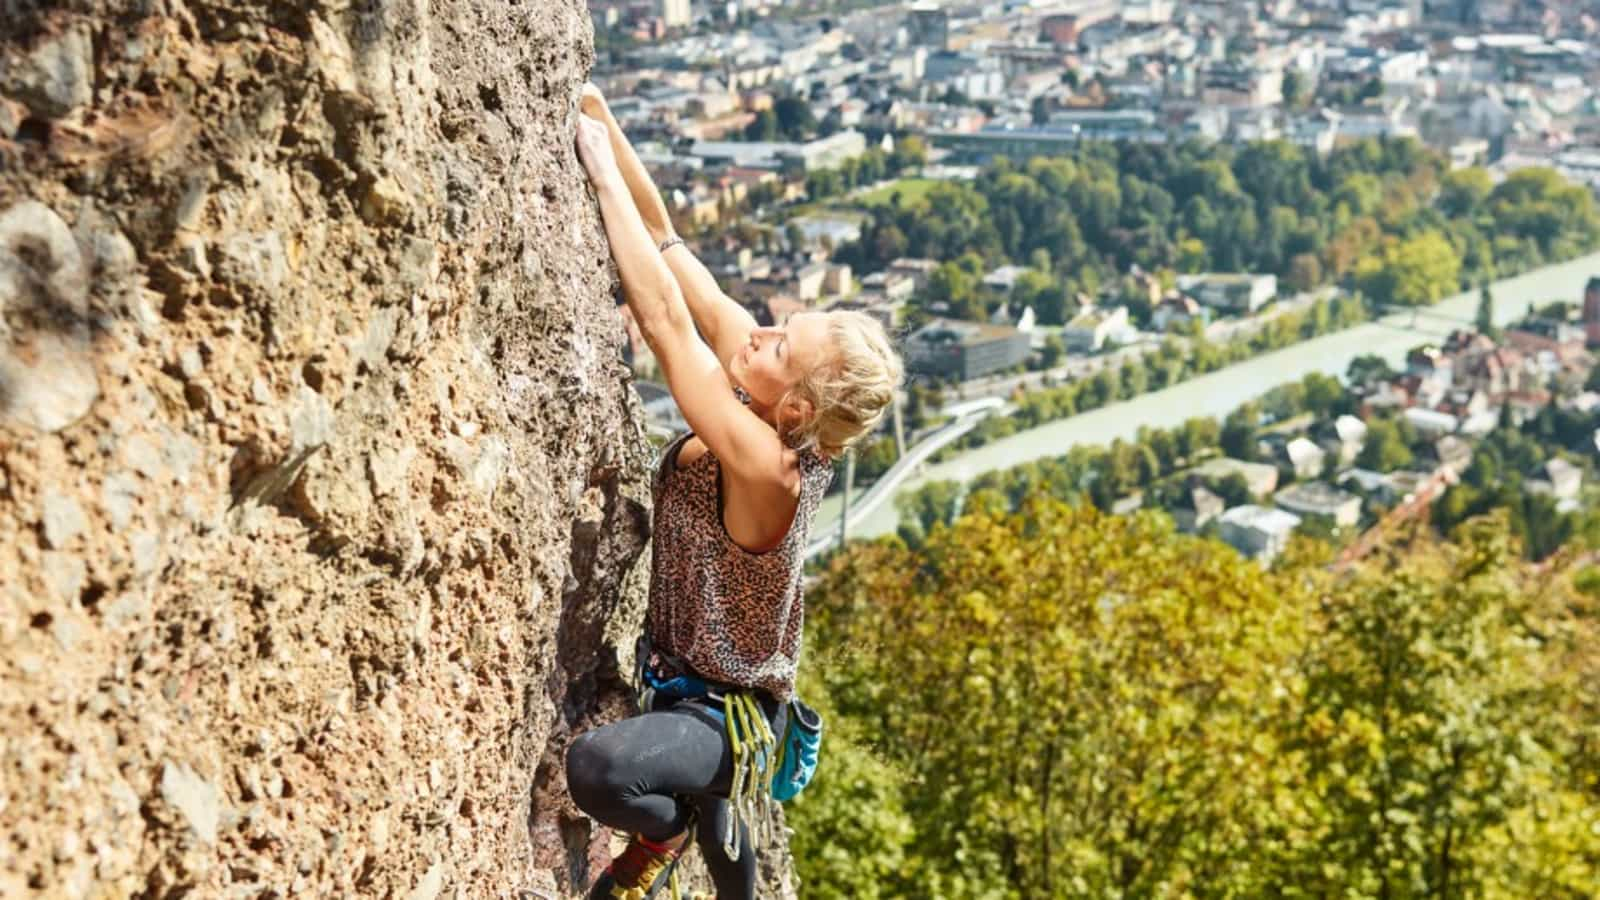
<point x="957" y="288"/>
<point x="1485" y="320"/>
<point x="1297" y="88"/>
<point x="794" y="118"/>
<point x="1053" y="352"/>
<point x="1464" y="192"/>
<point x="1435" y="771"/>
<point x="1239" y="432"/>
<point x="1322" y="394"/>
<point x="764" y="127"/>
<point x="1135" y="378"/>
<point x="1037" y="290"/>
<point x="1368" y="369"/>
<point x="909" y="152"/>
<point x="1411" y="272"/>
<point x="1066" y="723"/>
<point x="1233" y="489"/>
<point x="1385" y="450"/>
<point x="851" y="831"/>
<point x="1305" y="272"/>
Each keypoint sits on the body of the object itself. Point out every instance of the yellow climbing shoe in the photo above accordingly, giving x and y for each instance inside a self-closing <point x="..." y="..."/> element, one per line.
<point x="641" y="870"/>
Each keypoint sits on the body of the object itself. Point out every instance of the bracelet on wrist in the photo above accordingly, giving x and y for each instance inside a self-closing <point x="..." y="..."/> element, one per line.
<point x="669" y="243"/>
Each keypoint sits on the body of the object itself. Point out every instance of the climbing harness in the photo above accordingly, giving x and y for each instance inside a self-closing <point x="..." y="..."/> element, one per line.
<point x="765" y="769"/>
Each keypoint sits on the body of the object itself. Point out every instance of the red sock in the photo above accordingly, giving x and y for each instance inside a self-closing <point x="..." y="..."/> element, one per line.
<point x="663" y="849"/>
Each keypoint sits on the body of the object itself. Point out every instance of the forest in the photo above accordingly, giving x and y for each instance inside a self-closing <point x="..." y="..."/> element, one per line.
<point x="1388" y="218"/>
<point x="1056" y="702"/>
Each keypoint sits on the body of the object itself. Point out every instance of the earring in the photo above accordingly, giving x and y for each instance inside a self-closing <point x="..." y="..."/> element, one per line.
<point x="742" y="394"/>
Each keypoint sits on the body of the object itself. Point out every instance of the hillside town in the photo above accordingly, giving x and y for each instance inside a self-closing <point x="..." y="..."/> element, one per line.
<point x="743" y="110"/>
<point x="1402" y="438"/>
<point x="1033" y="195"/>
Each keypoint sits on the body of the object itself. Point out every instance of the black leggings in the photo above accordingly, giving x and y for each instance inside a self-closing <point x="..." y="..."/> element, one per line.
<point x="646" y="774"/>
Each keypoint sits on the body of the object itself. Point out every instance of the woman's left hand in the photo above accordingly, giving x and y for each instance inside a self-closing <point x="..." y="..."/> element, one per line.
<point x="594" y="149"/>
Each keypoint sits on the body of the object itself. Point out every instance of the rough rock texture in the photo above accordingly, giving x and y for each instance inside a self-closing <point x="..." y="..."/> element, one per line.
<point x="322" y="490"/>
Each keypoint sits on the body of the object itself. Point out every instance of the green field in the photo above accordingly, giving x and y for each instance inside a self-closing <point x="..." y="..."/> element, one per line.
<point x="912" y="190"/>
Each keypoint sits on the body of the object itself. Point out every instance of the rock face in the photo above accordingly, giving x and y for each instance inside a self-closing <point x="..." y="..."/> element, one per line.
<point x="322" y="488"/>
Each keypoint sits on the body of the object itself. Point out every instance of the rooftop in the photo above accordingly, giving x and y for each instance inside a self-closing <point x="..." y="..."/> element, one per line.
<point x="1260" y="518"/>
<point x="1313" y="495"/>
<point x="1223" y="466"/>
<point x="957" y="331"/>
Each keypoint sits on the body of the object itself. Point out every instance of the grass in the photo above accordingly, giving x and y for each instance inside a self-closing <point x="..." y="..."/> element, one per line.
<point x="912" y="190"/>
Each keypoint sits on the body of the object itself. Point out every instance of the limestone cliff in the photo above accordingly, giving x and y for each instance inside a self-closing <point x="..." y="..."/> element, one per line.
<point x="322" y="489"/>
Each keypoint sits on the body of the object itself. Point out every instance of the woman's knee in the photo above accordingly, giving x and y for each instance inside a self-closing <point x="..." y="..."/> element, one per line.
<point x="592" y="771"/>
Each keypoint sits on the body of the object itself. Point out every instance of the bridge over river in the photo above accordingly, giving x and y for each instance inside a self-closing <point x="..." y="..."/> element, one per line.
<point x="1218" y="393"/>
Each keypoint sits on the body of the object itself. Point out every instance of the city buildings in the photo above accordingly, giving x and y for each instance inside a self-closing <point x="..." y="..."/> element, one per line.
<point x="823" y="153"/>
<point x="675" y="13"/>
<point x="1494" y="85"/>
<point x="948" y="348"/>
<point x="1234" y="293"/>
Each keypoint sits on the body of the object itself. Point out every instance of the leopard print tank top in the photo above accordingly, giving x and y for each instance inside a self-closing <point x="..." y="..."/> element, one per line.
<point x="733" y="616"/>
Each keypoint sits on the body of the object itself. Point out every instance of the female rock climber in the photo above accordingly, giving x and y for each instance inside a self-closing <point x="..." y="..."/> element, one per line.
<point x="769" y="408"/>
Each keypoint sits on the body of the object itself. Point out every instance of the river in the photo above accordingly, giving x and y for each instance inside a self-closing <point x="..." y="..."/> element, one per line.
<point x="1218" y="393"/>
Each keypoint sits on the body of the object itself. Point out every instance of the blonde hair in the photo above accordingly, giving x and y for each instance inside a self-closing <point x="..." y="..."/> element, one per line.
<point x="850" y="391"/>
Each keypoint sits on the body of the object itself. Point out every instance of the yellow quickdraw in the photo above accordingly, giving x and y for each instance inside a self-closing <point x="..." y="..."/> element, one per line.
<point x="749" y="800"/>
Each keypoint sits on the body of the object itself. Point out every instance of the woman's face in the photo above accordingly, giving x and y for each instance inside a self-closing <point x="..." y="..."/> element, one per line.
<point x="774" y="359"/>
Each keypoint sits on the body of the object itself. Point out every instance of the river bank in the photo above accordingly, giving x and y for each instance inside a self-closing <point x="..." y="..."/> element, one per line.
<point x="1218" y="393"/>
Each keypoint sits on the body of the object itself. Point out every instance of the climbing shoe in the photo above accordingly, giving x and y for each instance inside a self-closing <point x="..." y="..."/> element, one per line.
<point x="642" y="869"/>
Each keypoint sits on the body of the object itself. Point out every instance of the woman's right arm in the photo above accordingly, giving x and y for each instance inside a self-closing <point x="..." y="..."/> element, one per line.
<point x="725" y="324"/>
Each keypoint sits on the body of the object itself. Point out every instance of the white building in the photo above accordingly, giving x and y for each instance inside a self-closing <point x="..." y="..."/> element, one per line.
<point x="1313" y="499"/>
<point x="1352" y="435"/>
<point x="675" y="13"/>
<point x="1304" y="457"/>
<point x="1089" y="330"/>
<point x="1562" y="480"/>
<point x="1232" y="292"/>
<point x="808" y="282"/>
<point x="1261" y="478"/>
<point x="1431" y="422"/>
<point x="1257" y="531"/>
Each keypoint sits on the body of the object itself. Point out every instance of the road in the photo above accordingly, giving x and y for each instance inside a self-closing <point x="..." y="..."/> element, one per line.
<point x="967" y="418"/>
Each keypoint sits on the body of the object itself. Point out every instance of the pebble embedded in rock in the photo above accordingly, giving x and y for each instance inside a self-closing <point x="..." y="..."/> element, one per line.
<point x="65" y="573"/>
<point x="430" y="885"/>
<point x="196" y="798"/>
<point x="311" y="422"/>
<point x="254" y="261"/>
<point x="144" y="457"/>
<point x="47" y="376"/>
<point x="146" y="548"/>
<point x="385" y="203"/>
<point x="62" y="519"/>
<point x="57" y="76"/>
<point x="117" y="496"/>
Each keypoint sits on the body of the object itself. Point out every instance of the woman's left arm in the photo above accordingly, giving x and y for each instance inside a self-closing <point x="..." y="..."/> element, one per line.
<point x="745" y="443"/>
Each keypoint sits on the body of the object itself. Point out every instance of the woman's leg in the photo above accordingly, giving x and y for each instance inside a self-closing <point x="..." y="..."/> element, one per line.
<point x="734" y="879"/>
<point x="629" y="775"/>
